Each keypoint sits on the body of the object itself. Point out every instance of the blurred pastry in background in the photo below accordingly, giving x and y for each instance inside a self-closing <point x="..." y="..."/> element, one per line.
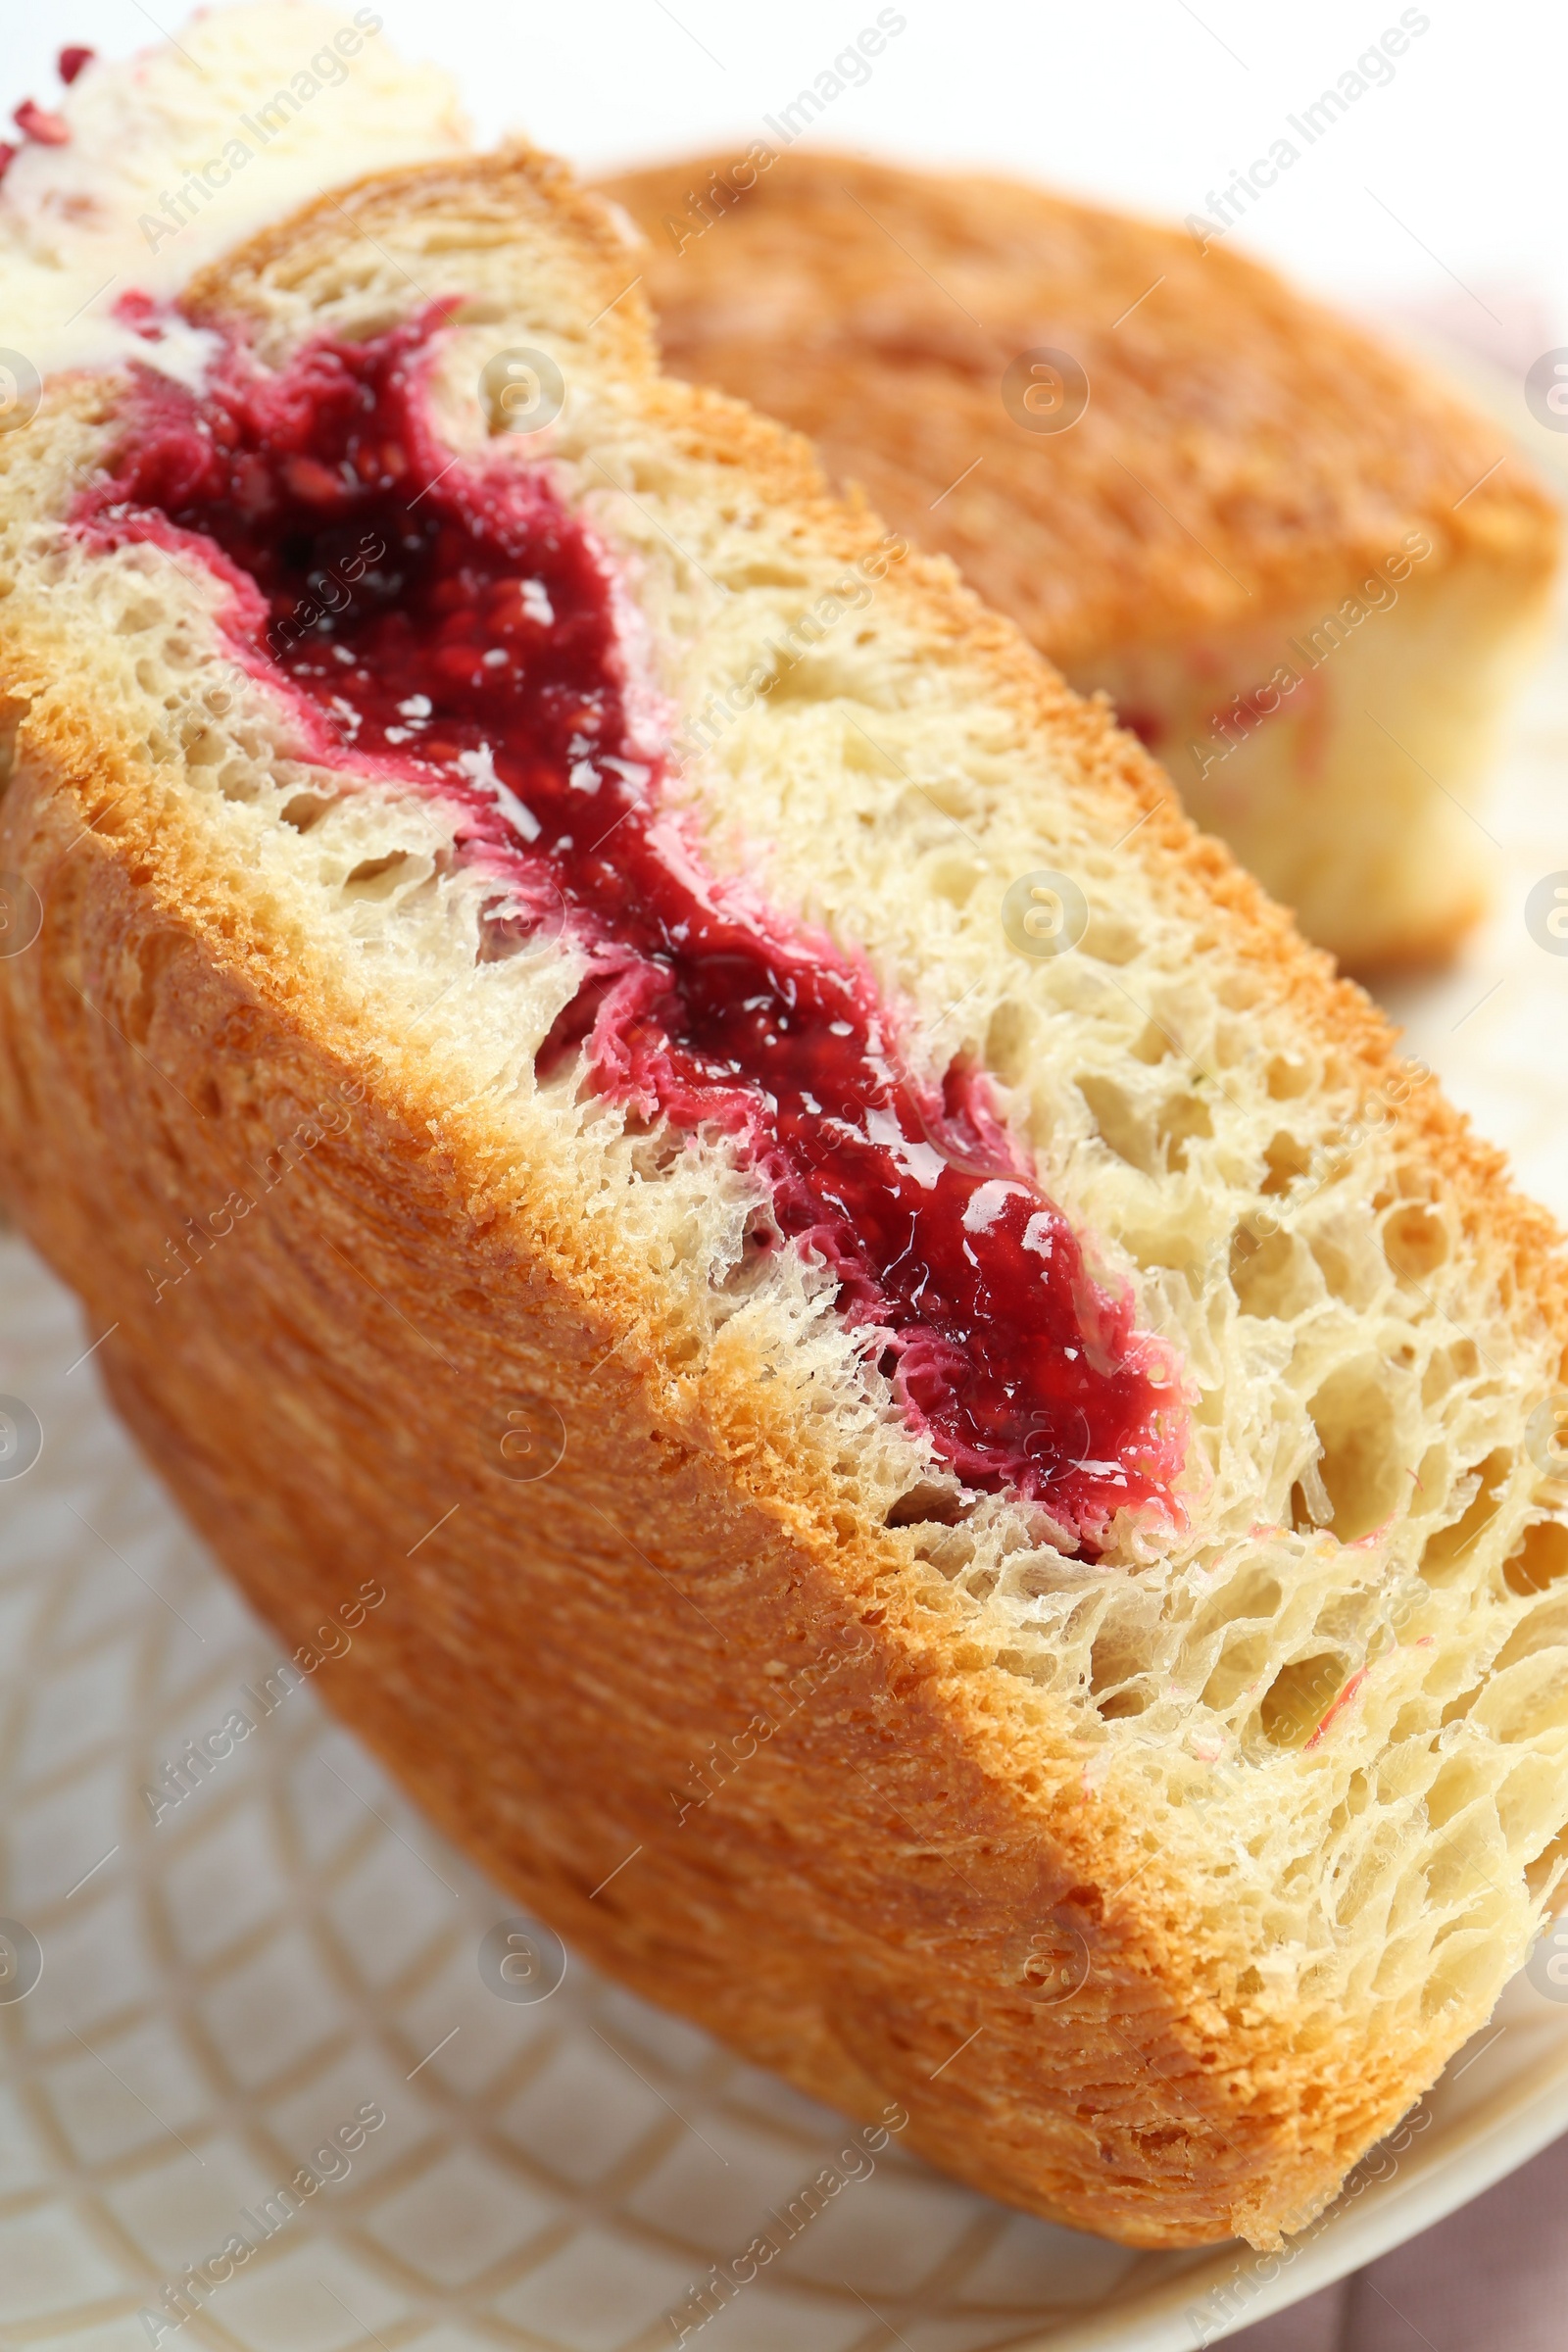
<point x="1304" y="572"/>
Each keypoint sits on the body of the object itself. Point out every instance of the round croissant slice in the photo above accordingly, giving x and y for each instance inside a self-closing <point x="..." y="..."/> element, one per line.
<point x="1305" y="574"/>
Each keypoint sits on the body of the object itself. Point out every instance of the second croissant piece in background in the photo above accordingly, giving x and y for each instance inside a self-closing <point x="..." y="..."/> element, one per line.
<point x="1306" y="576"/>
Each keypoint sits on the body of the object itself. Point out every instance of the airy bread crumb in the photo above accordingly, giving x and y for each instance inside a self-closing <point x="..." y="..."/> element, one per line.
<point x="1207" y="1855"/>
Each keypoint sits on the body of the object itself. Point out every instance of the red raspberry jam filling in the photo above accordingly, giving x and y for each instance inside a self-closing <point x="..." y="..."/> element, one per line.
<point x="456" y="627"/>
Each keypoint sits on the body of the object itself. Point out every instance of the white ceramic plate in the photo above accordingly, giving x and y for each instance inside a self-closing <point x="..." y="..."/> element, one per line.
<point x="223" y="1990"/>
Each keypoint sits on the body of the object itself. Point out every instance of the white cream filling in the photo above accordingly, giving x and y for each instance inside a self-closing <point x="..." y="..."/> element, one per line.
<point x="181" y="151"/>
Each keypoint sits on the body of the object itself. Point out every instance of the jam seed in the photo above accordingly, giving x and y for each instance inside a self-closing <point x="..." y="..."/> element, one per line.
<point x="308" y="479"/>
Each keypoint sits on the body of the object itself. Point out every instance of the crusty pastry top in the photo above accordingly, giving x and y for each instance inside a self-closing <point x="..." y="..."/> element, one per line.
<point x="1242" y="452"/>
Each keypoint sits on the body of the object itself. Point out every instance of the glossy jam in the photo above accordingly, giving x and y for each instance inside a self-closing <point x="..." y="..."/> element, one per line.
<point x="457" y="626"/>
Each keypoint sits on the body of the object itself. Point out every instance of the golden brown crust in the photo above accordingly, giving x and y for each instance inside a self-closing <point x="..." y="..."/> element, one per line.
<point x="598" y="299"/>
<point x="856" y="1903"/>
<point x="1244" y="454"/>
<point x="865" y="1893"/>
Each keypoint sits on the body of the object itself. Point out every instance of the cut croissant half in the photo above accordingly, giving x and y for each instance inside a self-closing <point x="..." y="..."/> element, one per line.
<point x="960" y="1455"/>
